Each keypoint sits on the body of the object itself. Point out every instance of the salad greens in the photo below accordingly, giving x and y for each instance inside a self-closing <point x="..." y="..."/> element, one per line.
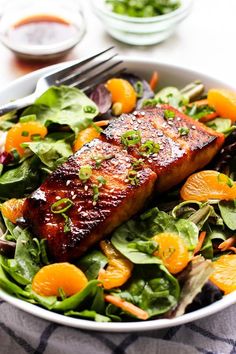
<point x="65" y="106"/>
<point x="150" y="286"/>
<point x="64" y="111"/>
<point x="134" y="238"/>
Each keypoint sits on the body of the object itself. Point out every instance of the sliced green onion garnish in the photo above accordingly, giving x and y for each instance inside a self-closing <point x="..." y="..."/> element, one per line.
<point x="25" y="133"/>
<point x="101" y="180"/>
<point x="183" y="131"/>
<point x="61" y="206"/>
<point x="137" y="163"/>
<point x="85" y="173"/>
<point x="89" y="109"/>
<point x="100" y="158"/>
<point x="131" y="138"/>
<point x="95" y="193"/>
<point x="149" y="148"/>
<point x="133" y="178"/>
<point x="35" y="137"/>
<point x="222" y="178"/>
<point x="67" y="223"/>
<point x="168" y="114"/>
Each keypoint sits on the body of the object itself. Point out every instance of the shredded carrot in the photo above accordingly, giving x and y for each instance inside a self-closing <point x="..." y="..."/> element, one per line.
<point x="201" y="239"/>
<point x="225" y="245"/>
<point x="154" y="80"/>
<point x="198" y="103"/>
<point x="102" y="123"/>
<point x="127" y="306"/>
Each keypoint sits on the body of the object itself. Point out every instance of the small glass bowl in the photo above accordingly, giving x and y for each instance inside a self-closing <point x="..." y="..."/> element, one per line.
<point x="140" y="30"/>
<point x="16" y="11"/>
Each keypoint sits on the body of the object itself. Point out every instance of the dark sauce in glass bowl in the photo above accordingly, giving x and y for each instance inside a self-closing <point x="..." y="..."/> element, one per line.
<point x="43" y="36"/>
<point x="41" y="30"/>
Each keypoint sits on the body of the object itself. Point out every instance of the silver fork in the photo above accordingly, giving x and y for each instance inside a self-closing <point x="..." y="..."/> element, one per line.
<point x="78" y="74"/>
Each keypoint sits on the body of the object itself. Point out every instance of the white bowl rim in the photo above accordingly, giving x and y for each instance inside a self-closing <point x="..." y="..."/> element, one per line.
<point x="184" y="6"/>
<point x="120" y="327"/>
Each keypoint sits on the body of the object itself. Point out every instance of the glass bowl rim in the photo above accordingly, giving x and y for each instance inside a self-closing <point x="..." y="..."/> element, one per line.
<point x="184" y="6"/>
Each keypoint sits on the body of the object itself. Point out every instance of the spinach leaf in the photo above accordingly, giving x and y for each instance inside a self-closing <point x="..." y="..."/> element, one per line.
<point x="92" y="315"/>
<point x="73" y="302"/>
<point x="27" y="254"/>
<point x="128" y="236"/>
<point x="9" y="236"/>
<point x="45" y="301"/>
<point x="65" y="106"/>
<point x="26" y="262"/>
<point x="21" y="180"/>
<point x="8" y="285"/>
<point x="91" y="263"/>
<point x="51" y="152"/>
<point x="152" y="288"/>
<point x="228" y="213"/>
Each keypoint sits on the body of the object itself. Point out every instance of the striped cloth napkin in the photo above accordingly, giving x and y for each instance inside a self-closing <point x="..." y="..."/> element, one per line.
<point x="22" y="333"/>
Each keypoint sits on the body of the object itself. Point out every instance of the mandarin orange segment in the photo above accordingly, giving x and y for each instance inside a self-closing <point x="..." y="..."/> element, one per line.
<point x="53" y="277"/>
<point x="224" y="275"/>
<point x="84" y="137"/>
<point x="205" y="185"/>
<point x="123" y="92"/>
<point x="224" y="102"/>
<point x="119" y="268"/>
<point x="173" y="251"/>
<point x="23" y="133"/>
<point x="13" y="209"/>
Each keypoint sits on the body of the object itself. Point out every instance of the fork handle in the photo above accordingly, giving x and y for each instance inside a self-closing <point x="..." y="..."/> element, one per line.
<point x="17" y="104"/>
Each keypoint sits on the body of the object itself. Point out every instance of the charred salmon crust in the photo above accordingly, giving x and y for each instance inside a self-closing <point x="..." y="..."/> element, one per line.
<point x="99" y="205"/>
<point x="168" y="160"/>
<point x="185" y="145"/>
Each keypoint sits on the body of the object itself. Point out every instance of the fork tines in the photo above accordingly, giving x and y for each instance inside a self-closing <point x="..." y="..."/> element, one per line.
<point x="89" y="72"/>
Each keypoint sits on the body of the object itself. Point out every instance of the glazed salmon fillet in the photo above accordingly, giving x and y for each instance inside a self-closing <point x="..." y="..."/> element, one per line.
<point x="184" y="144"/>
<point x="110" y="196"/>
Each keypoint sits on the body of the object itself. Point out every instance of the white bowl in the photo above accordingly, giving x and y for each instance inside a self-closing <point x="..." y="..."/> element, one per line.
<point x="169" y="75"/>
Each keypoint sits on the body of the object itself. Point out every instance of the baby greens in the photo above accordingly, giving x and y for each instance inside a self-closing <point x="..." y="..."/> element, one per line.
<point x="65" y="106"/>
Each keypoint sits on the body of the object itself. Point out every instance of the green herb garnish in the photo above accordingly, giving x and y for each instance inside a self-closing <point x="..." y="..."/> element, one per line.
<point x="222" y="178"/>
<point x="100" y="158"/>
<point x="168" y="114"/>
<point x="131" y="138"/>
<point x="61" y="206"/>
<point x="89" y="109"/>
<point x="35" y="137"/>
<point x="95" y="193"/>
<point x="25" y="133"/>
<point x="85" y="173"/>
<point x="133" y="177"/>
<point x="137" y="163"/>
<point x="67" y="223"/>
<point x="149" y="148"/>
<point x="101" y="180"/>
<point x="183" y="131"/>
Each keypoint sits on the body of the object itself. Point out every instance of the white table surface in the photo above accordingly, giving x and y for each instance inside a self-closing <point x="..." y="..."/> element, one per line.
<point x="205" y="41"/>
